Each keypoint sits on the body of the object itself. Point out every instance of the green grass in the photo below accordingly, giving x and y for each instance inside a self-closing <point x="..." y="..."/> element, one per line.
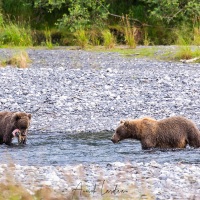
<point x="165" y="53"/>
<point x="196" y="39"/>
<point x="15" y="35"/>
<point x="185" y="39"/>
<point x="109" y="40"/>
<point x="187" y="52"/>
<point x="82" y="39"/>
<point x="139" y="52"/>
<point x="48" y="42"/>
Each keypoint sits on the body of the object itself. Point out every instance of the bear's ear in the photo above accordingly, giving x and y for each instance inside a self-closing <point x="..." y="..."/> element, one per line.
<point x="16" y="116"/>
<point x="29" y="116"/>
<point x="126" y="123"/>
<point x="122" y="121"/>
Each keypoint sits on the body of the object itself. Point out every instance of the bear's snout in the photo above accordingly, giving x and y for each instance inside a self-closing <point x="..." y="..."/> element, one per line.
<point x="115" y="139"/>
<point x="23" y="134"/>
<point x="22" y="139"/>
<point x="112" y="140"/>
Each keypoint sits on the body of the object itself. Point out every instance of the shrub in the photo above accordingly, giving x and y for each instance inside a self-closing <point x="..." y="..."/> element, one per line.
<point x="83" y="14"/>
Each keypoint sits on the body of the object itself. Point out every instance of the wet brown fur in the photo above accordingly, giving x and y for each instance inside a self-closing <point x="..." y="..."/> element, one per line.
<point x="172" y="132"/>
<point x="9" y="121"/>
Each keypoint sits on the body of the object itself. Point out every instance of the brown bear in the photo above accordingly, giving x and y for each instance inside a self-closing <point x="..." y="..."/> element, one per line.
<point x="172" y="132"/>
<point x="14" y="124"/>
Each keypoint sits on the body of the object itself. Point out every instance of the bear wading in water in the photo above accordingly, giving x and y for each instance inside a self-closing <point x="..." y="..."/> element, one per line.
<point x="172" y="132"/>
<point x="14" y="124"/>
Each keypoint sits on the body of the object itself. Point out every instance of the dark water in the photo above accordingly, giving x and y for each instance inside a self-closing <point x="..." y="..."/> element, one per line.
<point x="62" y="149"/>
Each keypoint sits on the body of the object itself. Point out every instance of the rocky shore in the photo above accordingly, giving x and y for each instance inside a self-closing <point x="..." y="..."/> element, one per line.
<point x="72" y="91"/>
<point x="113" y="181"/>
<point x="86" y="91"/>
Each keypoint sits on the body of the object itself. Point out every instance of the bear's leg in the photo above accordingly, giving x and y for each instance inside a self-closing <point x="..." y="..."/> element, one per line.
<point x="7" y="139"/>
<point x="148" y="134"/>
<point x="195" y="142"/>
<point x="194" y="137"/>
<point x="147" y="143"/>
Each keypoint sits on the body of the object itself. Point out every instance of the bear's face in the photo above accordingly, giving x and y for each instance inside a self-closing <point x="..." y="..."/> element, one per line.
<point x="122" y="132"/>
<point x="21" y="123"/>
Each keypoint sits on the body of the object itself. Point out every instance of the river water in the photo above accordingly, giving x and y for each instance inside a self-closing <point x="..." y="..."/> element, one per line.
<point x="60" y="148"/>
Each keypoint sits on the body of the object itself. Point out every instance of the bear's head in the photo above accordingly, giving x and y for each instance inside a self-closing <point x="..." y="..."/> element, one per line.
<point x="125" y="130"/>
<point x="21" y="122"/>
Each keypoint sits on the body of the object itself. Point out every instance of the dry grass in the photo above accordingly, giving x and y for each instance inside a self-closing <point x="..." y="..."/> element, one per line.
<point x="13" y="192"/>
<point x="19" y="60"/>
<point x="130" y="32"/>
<point x="47" y="193"/>
<point x="95" y="37"/>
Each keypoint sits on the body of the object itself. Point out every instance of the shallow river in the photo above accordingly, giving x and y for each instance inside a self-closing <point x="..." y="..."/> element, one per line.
<point x="63" y="149"/>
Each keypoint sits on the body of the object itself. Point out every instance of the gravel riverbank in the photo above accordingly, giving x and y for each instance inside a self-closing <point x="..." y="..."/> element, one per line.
<point x="86" y="91"/>
<point x="114" y="181"/>
<point x="72" y="91"/>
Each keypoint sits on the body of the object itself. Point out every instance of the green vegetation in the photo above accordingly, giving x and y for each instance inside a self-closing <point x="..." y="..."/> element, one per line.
<point x="130" y="32"/>
<point x="99" y="22"/>
<point x="187" y="52"/>
<point x="173" y="53"/>
<point x="15" y="35"/>
<point x="109" y="39"/>
<point x="83" y="15"/>
<point x="196" y="38"/>
<point x="81" y="38"/>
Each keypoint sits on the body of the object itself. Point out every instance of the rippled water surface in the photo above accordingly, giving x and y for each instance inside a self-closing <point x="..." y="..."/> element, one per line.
<point x="62" y="149"/>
